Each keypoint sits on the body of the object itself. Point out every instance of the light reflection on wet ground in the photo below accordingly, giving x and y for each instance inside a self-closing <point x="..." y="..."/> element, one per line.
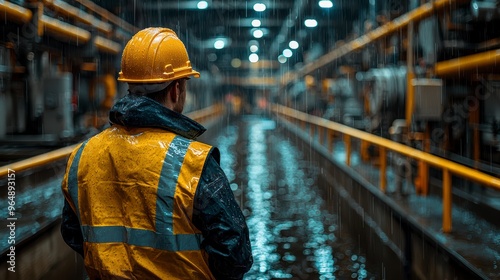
<point x="292" y="235"/>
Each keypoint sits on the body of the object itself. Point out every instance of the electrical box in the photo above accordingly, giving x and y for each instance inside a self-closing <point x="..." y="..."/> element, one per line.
<point x="58" y="115"/>
<point x="428" y="99"/>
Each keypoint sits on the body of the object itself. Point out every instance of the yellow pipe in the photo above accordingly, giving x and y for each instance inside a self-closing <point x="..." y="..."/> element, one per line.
<point x="467" y="63"/>
<point x="108" y="15"/>
<point x="432" y="160"/>
<point x="383" y="169"/>
<point x="15" y="12"/>
<point x="446" y="201"/>
<point x="106" y="45"/>
<point x="64" y="30"/>
<point x="40" y="14"/>
<point x="62" y="153"/>
<point x="109" y="83"/>
<point x="67" y="10"/>
<point x="75" y="13"/>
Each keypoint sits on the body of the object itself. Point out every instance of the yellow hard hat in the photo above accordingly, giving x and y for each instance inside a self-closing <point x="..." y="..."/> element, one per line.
<point x="155" y="55"/>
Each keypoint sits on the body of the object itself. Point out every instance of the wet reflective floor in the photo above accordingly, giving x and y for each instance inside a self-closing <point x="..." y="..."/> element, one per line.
<point x="293" y="235"/>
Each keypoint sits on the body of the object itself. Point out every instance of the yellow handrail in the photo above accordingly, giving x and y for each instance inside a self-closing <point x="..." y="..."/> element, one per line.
<point x="37" y="161"/>
<point x="105" y="14"/>
<point x="62" y="153"/>
<point x="206" y="113"/>
<point x="449" y="167"/>
<point x="468" y="63"/>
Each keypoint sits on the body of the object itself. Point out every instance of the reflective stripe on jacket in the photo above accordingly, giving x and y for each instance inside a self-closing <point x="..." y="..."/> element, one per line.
<point x="132" y="190"/>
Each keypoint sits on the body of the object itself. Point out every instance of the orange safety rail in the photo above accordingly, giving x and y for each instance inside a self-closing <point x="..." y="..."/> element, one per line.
<point x="447" y="166"/>
<point x="472" y="62"/>
<point x="207" y="114"/>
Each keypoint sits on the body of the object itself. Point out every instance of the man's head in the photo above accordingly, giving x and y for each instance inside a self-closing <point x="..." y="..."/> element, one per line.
<point x="155" y="63"/>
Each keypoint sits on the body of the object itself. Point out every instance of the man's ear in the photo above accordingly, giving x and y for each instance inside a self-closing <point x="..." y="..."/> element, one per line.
<point x="173" y="93"/>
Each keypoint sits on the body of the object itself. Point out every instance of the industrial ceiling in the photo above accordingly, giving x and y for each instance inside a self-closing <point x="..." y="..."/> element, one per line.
<point x="231" y="21"/>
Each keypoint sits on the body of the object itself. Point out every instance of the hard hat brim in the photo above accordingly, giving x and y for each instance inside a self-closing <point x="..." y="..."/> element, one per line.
<point x="193" y="73"/>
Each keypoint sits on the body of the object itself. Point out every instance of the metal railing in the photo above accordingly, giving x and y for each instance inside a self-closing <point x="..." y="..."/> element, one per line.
<point x="448" y="167"/>
<point x="202" y="115"/>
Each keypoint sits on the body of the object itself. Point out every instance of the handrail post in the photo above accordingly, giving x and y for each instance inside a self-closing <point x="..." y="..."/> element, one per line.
<point x="446" y="201"/>
<point x="347" y="143"/>
<point x="364" y="145"/>
<point x="330" y="140"/>
<point x="383" y="168"/>
<point x="320" y="134"/>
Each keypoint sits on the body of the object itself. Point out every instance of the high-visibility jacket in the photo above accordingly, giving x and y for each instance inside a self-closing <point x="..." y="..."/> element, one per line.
<point x="132" y="190"/>
<point x="126" y="215"/>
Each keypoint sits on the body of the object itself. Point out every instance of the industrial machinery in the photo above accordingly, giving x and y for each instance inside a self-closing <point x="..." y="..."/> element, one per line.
<point x="58" y="66"/>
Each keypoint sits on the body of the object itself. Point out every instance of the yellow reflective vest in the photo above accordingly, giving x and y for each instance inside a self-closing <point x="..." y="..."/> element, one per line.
<point x="132" y="190"/>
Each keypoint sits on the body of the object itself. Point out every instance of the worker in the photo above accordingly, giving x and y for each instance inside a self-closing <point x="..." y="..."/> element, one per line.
<point x="143" y="198"/>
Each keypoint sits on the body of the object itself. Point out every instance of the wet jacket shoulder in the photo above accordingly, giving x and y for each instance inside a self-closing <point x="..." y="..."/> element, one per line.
<point x="217" y="215"/>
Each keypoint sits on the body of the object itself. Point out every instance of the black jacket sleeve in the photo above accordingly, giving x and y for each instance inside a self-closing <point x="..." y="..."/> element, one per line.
<point x="218" y="216"/>
<point x="70" y="229"/>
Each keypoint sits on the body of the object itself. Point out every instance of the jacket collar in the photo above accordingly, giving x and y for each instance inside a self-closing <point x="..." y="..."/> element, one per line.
<point x="141" y="111"/>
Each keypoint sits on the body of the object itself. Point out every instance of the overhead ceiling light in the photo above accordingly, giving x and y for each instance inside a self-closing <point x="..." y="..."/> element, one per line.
<point x="212" y="57"/>
<point x="236" y="63"/>
<point x="293" y="45"/>
<point x="282" y="59"/>
<point x="253" y="57"/>
<point x="326" y="4"/>
<point x="202" y="5"/>
<point x="219" y="44"/>
<point x="259" y="7"/>
<point x="258" y="33"/>
<point x="287" y="52"/>
<point x="310" y="22"/>
<point x="254" y="48"/>
<point x="256" y="23"/>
